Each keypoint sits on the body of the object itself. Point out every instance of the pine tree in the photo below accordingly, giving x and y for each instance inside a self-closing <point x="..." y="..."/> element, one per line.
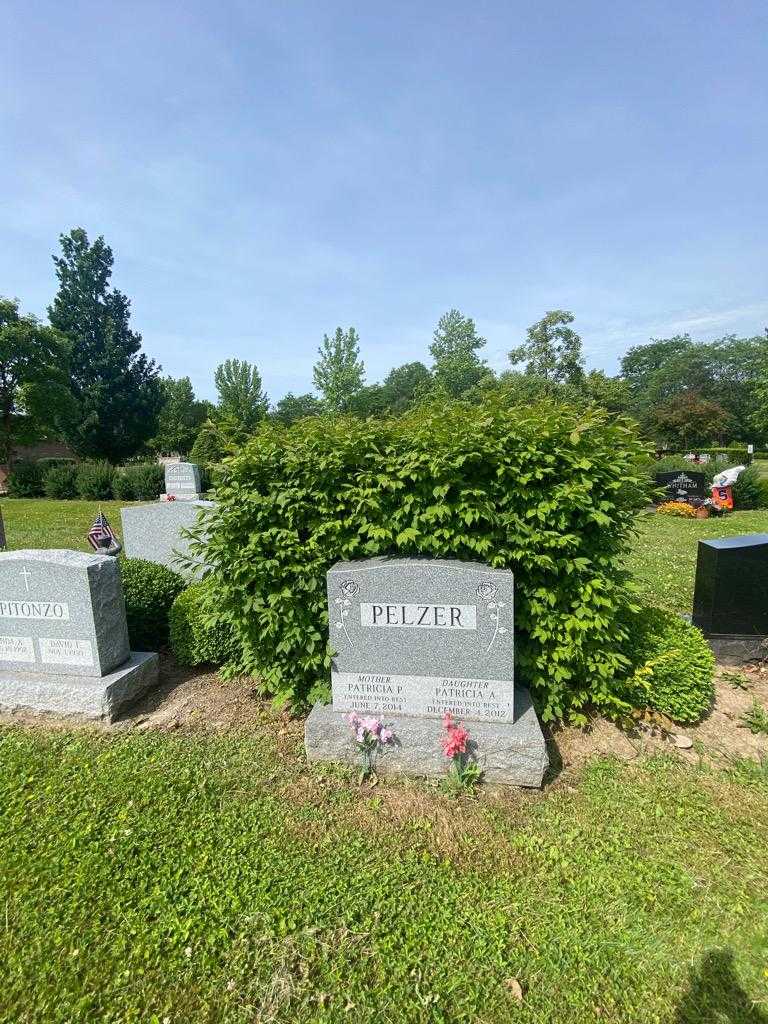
<point x="116" y="387"/>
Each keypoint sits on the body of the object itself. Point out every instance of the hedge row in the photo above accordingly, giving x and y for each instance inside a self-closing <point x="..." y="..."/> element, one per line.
<point x="548" y="491"/>
<point x="97" y="481"/>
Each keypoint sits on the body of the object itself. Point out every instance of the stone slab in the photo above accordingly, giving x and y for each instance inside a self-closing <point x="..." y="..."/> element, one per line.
<point x="154" y="532"/>
<point x="735" y="649"/>
<point x="77" y="695"/>
<point x="61" y="611"/>
<point x="182" y="480"/>
<point x="422" y="637"/>
<point x="511" y="754"/>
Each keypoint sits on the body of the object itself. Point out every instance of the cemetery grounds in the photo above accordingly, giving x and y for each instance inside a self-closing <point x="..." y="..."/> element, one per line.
<point x="185" y="865"/>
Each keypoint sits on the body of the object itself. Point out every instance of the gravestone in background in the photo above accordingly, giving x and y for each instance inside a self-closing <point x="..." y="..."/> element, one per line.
<point x="730" y="602"/>
<point x="414" y="639"/>
<point x="3" y="544"/>
<point x="182" y="481"/>
<point x="692" y="483"/>
<point x="63" y="635"/>
<point x="156" y="532"/>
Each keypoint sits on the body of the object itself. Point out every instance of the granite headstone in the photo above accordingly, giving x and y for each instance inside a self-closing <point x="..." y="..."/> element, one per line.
<point x="415" y="639"/>
<point x="688" y="481"/>
<point x="730" y="601"/>
<point x="182" y="481"/>
<point x="63" y="634"/>
<point x="157" y="532"/>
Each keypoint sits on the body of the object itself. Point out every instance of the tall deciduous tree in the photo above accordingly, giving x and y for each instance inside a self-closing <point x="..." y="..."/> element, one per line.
<point x="241" y="397"/>
<point x="116" y="386"/>
<point x="180" y="418"/>
<point x="455" y="344"/>
<point x="35" y="398"/>
<point x="339" y="373"/>
<point x="687" y="421"/>
<point x="552" y="350"/>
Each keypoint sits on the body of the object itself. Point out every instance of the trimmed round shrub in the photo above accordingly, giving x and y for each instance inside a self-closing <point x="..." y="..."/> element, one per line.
<point x="194" y="640"/>
<point x="674" y="665"/>
<point x="144" y="481"/>
<point x="94" y="480"/>
<point x="546" y="490"/>
<point x="149" y="591"/>
<point x="26" y="480"/>
<point x="122" y="486"/>
<point x="61" y="481"/>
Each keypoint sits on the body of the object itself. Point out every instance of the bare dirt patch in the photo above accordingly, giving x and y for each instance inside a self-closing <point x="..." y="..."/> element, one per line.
<point x="200" y="701"/>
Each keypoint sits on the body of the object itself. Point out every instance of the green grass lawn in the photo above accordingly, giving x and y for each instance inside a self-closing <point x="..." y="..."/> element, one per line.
<point x="663" y="560"/>
<point x="151" y="878"/>
<point x="155" y="878"/>
<point x="39" y="523"/>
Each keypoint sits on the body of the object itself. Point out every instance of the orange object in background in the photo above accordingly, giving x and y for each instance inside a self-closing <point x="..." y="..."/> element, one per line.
<point x="723" y="497"/>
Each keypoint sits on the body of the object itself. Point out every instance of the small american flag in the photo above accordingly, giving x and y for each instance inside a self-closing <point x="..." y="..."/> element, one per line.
<point x="101" y="536"/>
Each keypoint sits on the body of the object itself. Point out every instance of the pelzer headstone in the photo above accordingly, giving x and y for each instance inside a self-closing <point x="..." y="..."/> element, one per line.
<point x="182" y="481"/>
<point x="730" y="603"/>
<point x="687" y="481"/>
<point x="423" y="638"/>
<point x="63" y="634"/>
<point x="415" y="639"/>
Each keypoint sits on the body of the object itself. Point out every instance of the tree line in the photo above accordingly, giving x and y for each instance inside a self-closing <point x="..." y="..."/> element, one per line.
<point x="84" y="378"/>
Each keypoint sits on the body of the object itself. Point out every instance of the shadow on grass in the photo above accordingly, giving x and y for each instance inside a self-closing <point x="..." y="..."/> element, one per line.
<point x="715" y="995"/>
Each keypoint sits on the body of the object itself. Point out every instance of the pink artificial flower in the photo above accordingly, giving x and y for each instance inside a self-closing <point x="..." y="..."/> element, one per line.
<point x="360" y="734"/>
<point x="353" y="718"/>
<point x="455" y="740"/>
<point x="371" y="725"/>
<point x="386" y="735"/>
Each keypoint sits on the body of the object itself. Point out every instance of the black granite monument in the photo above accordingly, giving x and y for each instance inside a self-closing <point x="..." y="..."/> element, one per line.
<point x="730" y="602"/>
<point x="681" y="480"/>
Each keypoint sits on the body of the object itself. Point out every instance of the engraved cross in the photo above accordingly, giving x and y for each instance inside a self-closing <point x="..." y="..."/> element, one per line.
<point x="26" y="574"/>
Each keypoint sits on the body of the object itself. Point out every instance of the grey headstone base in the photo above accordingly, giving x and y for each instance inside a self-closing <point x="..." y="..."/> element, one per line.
<point x="509" y="754"/>
<point x="737" y="648"/>
<point x="80" y="695"/>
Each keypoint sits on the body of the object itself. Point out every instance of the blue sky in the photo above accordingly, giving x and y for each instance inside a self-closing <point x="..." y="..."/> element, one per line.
<point x="264" y="172"/>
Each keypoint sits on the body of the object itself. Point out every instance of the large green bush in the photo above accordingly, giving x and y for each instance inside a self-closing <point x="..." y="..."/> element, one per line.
<point x="94" y="480"/>
<point x="674" y="665"/>
<point x="25" y="480"/>
<point x="194" y="640"/>
<point x="60" y="481"/>
<point x="546" y="491"/>
<point x="149" y="591"/>
<point x="144" y="481"/>
<point x="750" y="491"/>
